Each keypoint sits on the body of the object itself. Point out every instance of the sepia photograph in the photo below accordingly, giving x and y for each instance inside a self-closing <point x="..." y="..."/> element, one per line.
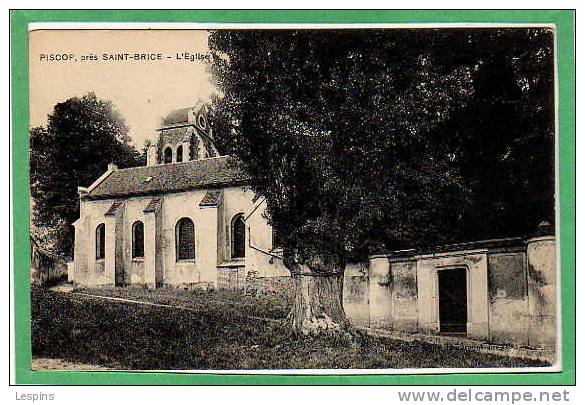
<point x="324" y="199"/>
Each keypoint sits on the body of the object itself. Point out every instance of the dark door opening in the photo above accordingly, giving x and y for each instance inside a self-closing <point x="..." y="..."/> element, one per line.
<point x="453" y="301"/>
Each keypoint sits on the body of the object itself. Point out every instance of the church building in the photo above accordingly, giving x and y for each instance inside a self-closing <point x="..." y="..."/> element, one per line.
<point x="186" y="218"/>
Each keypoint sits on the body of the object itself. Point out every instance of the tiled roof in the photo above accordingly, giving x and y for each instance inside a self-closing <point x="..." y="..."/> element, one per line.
<point x="148" y="180"/>
<point x="112" y="210"/>
<point x="179" y="116"/>
<point x="211" y="198"/>
<point x="152" y="205"/>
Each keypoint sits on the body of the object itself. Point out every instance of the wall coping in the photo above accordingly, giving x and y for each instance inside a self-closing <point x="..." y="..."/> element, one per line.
<point x="232" y="263"/>
<point x="465" y="248"/>
<point x="546" y="238"/>
<point x="452" y="254"/>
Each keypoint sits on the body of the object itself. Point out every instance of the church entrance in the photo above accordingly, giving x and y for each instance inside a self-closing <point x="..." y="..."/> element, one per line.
<point x="453" y="301"/>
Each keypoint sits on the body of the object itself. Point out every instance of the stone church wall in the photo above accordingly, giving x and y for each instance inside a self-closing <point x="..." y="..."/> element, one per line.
<point x="202" y="268"/>
<point x="88" y="269"/>
<point x="212" y="241"/>
<point x="262" y="258"/>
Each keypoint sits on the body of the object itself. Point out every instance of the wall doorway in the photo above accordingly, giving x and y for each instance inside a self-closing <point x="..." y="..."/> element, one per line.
<point x="453" y="301"/>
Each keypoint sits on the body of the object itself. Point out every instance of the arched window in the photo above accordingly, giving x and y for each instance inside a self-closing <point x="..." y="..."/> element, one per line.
<point x="168" y="155"/>
<point x="238" y="237"/>
<point x="137" y="239"/>
<point x="185" y="239"/>
<point x="180" y="154"/>
<point x="100" y="241"/>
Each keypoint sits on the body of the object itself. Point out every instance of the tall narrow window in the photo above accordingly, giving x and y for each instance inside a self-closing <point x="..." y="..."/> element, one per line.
<point x="185" y="239"/>
<point x="168" y="155"/>
<point x="180" y="154"/>
<point x="238" y="237"/>
<point x="138" y="239"/>
<point x="100" y="241"/>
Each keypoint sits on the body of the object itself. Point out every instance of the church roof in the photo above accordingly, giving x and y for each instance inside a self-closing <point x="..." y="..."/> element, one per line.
<point x="152" y="205"/>
<point x="211" y="198"/>
<point x="114" y="208"/>
<point x="178" y="116"/>
<point x="149" y="180"/>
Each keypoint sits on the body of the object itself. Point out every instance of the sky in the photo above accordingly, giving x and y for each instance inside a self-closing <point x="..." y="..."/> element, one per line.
<point x="142" y="90"/>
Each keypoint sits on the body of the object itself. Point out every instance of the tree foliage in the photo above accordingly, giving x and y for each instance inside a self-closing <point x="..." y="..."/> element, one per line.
<point x="144" y="152"/>
<point x="399" y="138"/>
<point x="82" y="136"/>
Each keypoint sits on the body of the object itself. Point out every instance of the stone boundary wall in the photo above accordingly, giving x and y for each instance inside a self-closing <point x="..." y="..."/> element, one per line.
<point x="511" y="291"/>
<point x="281" y="287"/>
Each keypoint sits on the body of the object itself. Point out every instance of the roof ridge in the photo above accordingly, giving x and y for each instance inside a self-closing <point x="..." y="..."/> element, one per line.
<point x="177" y="163"/>
<point x="210" y="172"/>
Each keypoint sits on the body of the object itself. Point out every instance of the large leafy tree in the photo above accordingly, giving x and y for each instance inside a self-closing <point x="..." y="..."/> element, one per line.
<point x="504" y="138"/>
<point x="82" y="136"/>
<point x="361" y="140"/>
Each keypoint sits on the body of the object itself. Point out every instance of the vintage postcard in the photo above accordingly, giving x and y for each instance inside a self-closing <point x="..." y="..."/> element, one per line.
<point x="337" y="199"/>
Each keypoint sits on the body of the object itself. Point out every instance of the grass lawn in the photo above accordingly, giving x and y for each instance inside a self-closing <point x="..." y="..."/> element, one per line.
<point x="216" y="333"/>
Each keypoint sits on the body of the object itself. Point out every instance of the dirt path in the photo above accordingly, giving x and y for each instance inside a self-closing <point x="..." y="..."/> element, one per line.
<point x="154" y="304"/>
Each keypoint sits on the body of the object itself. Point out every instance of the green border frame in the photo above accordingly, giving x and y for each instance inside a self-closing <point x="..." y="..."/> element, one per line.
<point x="19" y="20"/>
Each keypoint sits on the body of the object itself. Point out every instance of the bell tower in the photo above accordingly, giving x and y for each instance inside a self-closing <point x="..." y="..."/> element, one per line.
<point x="184" y="134"/>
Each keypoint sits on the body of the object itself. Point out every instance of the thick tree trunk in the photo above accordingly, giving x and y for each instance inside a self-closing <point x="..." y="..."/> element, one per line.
<point x="318" y="304"/>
